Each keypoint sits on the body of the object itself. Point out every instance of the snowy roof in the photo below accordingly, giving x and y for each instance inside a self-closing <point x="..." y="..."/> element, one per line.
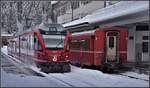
<point x="130" y="11"/>
<point x="84" y="32"/>
<point x="75" y="22"/>
<point x="117" y="10"/>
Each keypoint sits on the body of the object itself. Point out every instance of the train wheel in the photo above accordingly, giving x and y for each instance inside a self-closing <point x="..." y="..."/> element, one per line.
<point x="66" y="68"/>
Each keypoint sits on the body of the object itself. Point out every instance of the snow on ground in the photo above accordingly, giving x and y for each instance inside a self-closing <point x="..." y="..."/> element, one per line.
<point x="77" y="77"/>
<point x="12" y="80"/>
<point x="96" y="78"/>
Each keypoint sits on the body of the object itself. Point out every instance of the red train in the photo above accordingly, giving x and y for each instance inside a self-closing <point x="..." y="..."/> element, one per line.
<point x="44" y="46"/>
<point x="104" y="47"/>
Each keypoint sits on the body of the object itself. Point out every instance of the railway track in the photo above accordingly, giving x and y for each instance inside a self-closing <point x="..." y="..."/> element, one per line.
<point x="132" y="77"/>
<point x="123" y="73"/>
<point x="74" y="80"/>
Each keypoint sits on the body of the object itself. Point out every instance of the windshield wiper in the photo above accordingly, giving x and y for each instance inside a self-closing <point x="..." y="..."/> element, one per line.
<point x="59" y="42"/>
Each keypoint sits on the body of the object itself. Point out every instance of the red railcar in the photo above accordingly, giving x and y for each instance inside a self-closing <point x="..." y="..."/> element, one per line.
<point x="44" y="46"/>
<point x="104" y="47"/>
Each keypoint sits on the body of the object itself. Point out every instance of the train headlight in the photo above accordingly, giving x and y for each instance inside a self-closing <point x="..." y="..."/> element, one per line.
<point x="55" y="58"/>
<point x="66" y="56"/>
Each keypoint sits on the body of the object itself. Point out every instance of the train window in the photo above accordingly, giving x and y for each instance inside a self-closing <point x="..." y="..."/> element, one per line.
<point x="69" y="44"/>
<point x="84" y="44"/>
<point x="145" y="47"/>
<point x="111" y="42"/>
<point x="75" y="45"/>
<point x="39" y="46"/>
<point x="52" y="29"/>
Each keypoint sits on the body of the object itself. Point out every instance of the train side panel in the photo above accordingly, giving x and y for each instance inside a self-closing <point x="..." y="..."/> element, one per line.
<point x="99" y="47"/>
<point x="86" y="51"/>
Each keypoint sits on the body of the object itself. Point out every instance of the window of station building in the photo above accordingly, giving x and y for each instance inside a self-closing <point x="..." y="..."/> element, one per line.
<point x="58" y="12"/>
<point x="68" y="7"/>
<point x="24" y="42"/>
<point x="29" y="41"/>
<point x="75" y="4"/>
<point x="63" y="10"/>
<point x="131" y="37"/>
<point x="145" y="47"/>
<point x="142" y="28"/>
<point x="145" y="37"/>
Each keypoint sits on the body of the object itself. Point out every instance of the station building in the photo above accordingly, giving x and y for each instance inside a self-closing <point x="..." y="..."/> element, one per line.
<point x="67" y="11"/>
<point x="137" y="23"/>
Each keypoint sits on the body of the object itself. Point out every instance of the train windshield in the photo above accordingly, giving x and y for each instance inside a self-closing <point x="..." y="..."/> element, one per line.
<point x="54" y="41"/>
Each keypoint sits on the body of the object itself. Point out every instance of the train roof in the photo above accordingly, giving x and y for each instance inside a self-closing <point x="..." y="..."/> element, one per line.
<point x="84" y="32"/>
<point x="44" y="27"/>
<point x="123" y="12"/>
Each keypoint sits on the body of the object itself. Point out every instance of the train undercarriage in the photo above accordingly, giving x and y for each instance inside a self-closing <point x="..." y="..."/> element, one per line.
<point x="55" y="67"/>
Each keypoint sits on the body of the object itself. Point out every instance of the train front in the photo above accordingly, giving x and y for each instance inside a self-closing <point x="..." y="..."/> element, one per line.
<point x="54" y="52"/>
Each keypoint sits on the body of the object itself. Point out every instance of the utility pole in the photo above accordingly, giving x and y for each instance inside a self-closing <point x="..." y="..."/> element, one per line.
<point x="72" y="10"/>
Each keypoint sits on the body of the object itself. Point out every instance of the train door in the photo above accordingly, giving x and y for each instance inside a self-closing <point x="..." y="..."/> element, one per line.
<point x="111" y="47"/>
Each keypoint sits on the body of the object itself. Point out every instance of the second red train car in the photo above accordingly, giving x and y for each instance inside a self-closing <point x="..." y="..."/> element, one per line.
<point x="104" y="47"/>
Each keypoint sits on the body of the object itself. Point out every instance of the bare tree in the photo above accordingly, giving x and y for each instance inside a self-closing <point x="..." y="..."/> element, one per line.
<point x="23" y="13"/>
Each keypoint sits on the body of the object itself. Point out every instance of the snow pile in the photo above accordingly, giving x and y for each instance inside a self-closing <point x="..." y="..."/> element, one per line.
<point x="4" y="50"/>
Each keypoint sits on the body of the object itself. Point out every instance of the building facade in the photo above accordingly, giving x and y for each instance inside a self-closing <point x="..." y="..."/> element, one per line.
<point x="66" y="11"/>
<point x="138" y="42"/>
<point x="27" y="13"/>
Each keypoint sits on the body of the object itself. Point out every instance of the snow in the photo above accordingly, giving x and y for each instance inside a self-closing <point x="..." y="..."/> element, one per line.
<point x="4" y="49"/>
<point x="95" y="78"/>
<point x="120" y="9"/>
<point x="12" y="80"/>
<point x="78" y="77"/>
<point x="133" y="74"/>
